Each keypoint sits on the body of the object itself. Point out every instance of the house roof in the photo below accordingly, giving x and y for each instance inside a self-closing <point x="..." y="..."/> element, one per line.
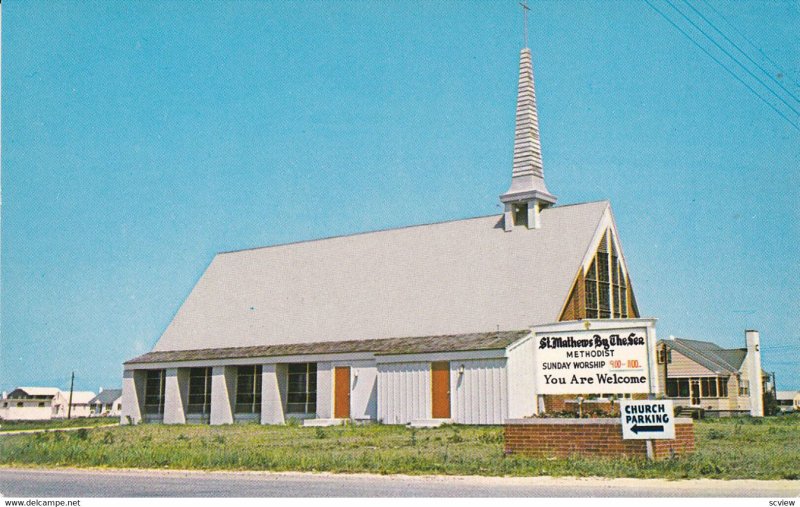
<point x="710" y="355"/>
<point x="438" y="279"/>
<point x="786" y="395"/>
<point x="35" y="391"/>
<point x="78" y="397"/>
<point x="389" y="346"/>
<point x="106" y="396"/>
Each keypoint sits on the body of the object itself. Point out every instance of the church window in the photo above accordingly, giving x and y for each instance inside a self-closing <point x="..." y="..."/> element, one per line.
<point x="591" y="292"/>
<point x="154" y="393"/>
<point x="615" y="280"/>
<point x="199" y="392"/>
<point x="601" y="292"/>
<point x="606" y="287"/>
<point x="248" y="389"/>
<point x="302" y="392"/>
<point x="603" y="282"/>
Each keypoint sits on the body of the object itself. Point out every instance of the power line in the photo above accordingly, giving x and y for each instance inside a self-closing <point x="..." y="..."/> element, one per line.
<point x="687" y="18"/>
<point x="742" y="51"/>
<point x="742" y="35"/>
<point x="704" y="50"/>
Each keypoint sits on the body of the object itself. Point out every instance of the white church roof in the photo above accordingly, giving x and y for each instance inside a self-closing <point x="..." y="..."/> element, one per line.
<point x="447" y="278"/>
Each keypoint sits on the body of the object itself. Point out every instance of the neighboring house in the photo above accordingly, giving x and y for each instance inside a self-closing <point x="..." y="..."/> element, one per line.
<point x="701" y="374"/>
<point x="409" y="324"/>
<point x="80" y="404"/>
<point x="788" y="401"/>
<point x="28" y="404"/>
<point x="107" y="403"/>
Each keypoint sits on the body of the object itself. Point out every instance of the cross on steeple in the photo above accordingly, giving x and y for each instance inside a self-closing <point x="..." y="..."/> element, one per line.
<point x="525" y="9"/>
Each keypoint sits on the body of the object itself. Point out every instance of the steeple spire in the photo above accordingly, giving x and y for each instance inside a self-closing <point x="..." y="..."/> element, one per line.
<point x="527" y="194"/>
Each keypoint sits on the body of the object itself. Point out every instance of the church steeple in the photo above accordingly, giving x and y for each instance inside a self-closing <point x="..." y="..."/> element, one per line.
<point x="527" y="194"/>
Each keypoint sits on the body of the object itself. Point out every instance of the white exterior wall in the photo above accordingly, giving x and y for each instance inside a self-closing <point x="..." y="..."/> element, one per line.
<point x="107" y="409"/>
<point x="273" y="393"/>
<point x="521" y="380"/>
<point x="29" y="411"/>
<point x="480" y="394"/>
<point x="223" y="394"/>
<point x="397" y="390"/>
<point x="404" y="392"/>
<point x="363" y="388"/>
<point x="324" y="390"/>
<point x="176" y="395"/>
<point x="132" y="396"/>
<point x="78" y="410"/>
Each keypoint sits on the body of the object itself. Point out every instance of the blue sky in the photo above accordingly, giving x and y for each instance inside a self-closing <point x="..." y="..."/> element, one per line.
<point x="139" y="138"/>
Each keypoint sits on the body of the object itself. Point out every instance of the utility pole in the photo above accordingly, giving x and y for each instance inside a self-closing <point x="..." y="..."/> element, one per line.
<point x="69" y="406"/>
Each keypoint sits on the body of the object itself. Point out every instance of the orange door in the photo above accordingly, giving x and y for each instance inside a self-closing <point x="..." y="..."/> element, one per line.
<point x="440" y="386"/>
<point x="341" y="392"/>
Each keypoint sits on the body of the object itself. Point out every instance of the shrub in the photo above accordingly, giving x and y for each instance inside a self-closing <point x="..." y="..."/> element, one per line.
<point x="320" y="433"/>
<point x="491" y="438"/>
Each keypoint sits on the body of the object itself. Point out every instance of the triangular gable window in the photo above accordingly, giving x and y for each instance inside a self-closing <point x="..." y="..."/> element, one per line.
<point x="603" y="288"/>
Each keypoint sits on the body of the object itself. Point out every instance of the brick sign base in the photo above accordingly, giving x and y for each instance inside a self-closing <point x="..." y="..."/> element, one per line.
<point x="594" y="437"/>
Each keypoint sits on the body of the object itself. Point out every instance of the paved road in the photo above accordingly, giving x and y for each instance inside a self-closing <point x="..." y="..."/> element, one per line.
<point x="139" y="483"/>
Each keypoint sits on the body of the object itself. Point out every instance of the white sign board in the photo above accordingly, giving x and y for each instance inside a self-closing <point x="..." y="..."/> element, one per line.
<point x="592" y="361"/>
<point x="647" y="419"/>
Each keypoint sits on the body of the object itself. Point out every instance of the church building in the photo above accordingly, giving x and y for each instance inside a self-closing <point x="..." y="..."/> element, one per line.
<point x="421" y="324"/>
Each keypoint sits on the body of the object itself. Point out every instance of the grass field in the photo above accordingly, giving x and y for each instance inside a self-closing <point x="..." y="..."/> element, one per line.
<point x="728" y="448"/>
<point x="56" y="423"/>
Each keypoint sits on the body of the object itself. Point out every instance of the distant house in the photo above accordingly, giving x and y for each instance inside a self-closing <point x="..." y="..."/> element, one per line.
<point x="788" y="401"/>
<point x="29" y="404"/>
<point x="108" y="403"/>
<point x="80" y="404"/>
<point x="703" y="375"/>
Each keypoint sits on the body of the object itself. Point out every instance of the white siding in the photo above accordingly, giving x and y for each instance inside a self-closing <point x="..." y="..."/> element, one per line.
<point x="522" y="380"/>
<point x="479" y="395"/>
<point x="404" y="392"/>
<point x="682" y="366"/>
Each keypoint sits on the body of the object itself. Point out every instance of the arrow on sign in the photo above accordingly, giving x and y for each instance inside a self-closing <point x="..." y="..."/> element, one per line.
<point x="636" y="428"/>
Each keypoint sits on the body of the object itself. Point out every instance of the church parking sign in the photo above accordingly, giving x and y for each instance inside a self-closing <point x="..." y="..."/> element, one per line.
<point x="647" y="419"/>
